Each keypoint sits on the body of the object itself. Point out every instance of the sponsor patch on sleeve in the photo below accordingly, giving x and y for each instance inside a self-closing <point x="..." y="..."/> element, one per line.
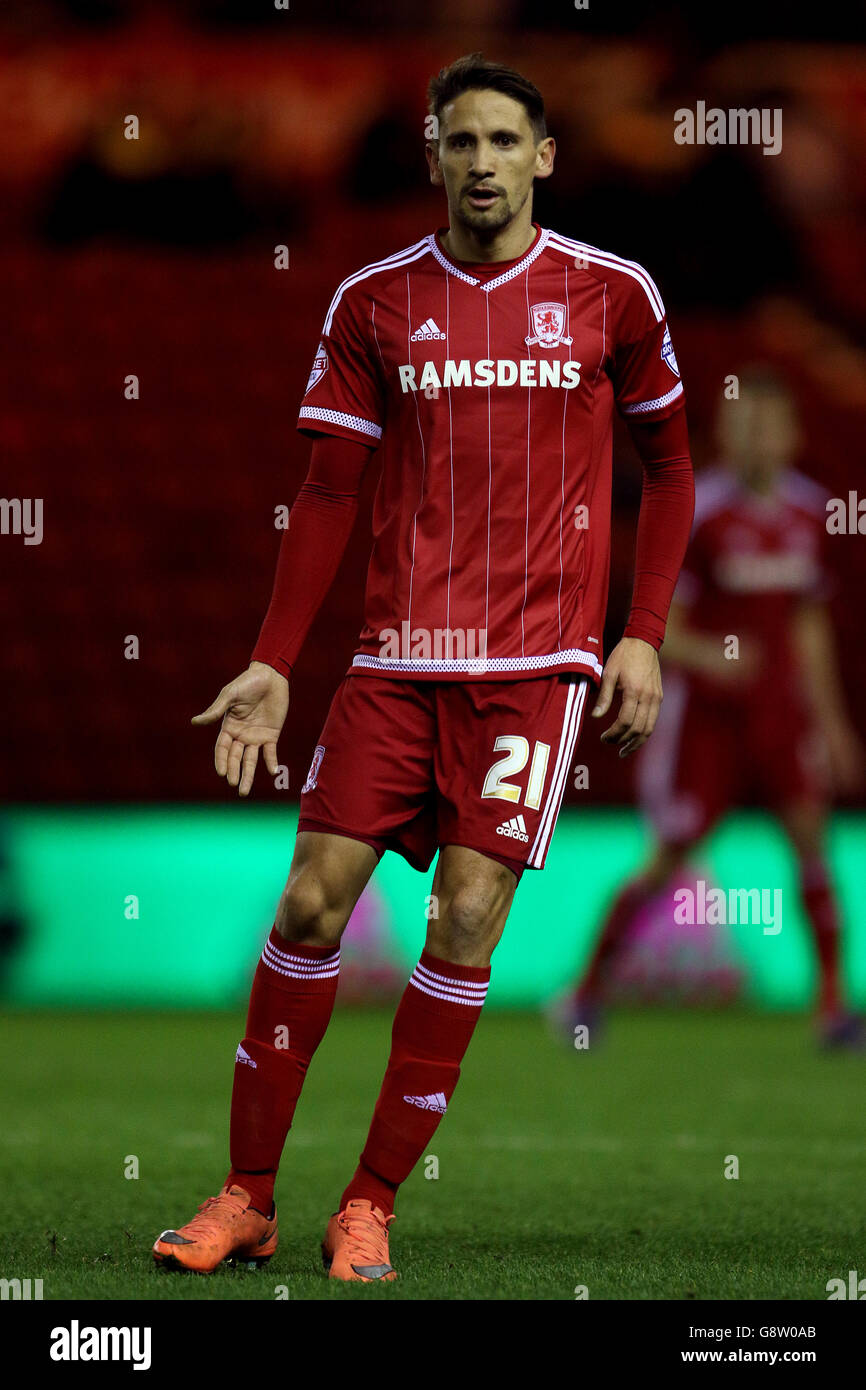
<point x="320" y="366"/>
<point x="669" y="357"/>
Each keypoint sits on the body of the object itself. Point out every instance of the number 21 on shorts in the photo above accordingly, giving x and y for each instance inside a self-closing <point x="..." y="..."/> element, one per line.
<point x="515" y="760"/>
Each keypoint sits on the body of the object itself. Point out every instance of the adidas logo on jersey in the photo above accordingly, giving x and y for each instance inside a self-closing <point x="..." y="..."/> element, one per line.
<point x="437" y="1102"/>
<point x="428" y="330"/>
<point x="243" y="1056"/>
<point x="515" y="829"/>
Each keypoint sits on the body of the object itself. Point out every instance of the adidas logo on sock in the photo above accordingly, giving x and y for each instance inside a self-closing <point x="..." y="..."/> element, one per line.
<point x="242" y="1056"/>
<point x="428" y="330"/>
<point x="515" y="829"/>
<point x="437" y="1102"/>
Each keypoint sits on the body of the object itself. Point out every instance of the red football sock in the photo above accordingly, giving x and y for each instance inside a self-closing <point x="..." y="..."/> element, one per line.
<point x="433" y="1025"/>
<point x="290" y="1006"/>
<point x="820" y="907"/>
<point x="616" y="924"/>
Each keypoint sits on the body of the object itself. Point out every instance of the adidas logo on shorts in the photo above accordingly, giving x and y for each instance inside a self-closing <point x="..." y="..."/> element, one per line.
<point x="515" y="829"/>
<point x="428" y="330"/>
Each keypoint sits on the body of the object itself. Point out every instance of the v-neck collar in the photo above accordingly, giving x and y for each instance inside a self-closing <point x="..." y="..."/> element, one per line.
<point x="453" y="267"/>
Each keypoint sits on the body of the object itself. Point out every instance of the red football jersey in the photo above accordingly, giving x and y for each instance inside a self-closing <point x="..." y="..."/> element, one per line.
<point x="751" y="560"/>
<point x="492" y="391"/>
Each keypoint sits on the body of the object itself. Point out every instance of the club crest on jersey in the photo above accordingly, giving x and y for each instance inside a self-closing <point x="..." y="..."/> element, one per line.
<point x="320" y="366"/>
<point x="548" y="324"/>
<point x="669" y="357"/>
<point x="310" y="784"/>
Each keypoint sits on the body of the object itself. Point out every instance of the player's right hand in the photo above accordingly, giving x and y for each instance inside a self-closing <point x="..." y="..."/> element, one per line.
<point x="253" y="709"/>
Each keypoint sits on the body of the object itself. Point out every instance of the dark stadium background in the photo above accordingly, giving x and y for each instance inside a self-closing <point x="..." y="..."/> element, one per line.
<point x="262" y="127"/>
<point x="156" y="257"/>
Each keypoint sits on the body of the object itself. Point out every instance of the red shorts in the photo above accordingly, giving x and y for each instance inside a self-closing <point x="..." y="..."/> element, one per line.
<point x="709" y="754"/>
<point x="414" y="765"/>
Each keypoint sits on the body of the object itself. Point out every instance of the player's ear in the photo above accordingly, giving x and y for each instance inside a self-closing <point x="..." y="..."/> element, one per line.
<point x="544" y="157"/>
<point x="432" y="152"/>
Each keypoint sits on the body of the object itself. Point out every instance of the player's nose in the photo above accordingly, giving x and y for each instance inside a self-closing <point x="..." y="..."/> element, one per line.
<point x="483" y="164"/>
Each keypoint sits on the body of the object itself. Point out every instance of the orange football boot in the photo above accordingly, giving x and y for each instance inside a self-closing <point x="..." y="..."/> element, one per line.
<point x="356" y="1244"/>
<point x="226" y="1228"/>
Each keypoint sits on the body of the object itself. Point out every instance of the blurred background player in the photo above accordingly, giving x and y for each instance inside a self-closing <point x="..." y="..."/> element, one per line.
<point x="764" y="712"/>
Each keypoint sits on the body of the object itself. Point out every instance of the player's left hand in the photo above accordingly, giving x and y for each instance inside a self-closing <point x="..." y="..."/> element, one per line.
<point x="633" y="668"/>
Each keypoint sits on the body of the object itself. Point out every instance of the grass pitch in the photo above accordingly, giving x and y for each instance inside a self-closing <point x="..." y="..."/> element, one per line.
<point x="556" y="1168"/>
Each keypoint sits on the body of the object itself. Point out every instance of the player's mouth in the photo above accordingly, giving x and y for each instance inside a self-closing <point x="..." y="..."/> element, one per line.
<point x="482" y="197"/>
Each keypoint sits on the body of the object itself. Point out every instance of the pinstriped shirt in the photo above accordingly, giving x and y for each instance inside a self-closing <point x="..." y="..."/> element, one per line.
<point x="490" y="393"/>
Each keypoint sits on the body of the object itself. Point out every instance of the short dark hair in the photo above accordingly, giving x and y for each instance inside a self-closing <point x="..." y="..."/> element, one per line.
<point x="473" y="73"/>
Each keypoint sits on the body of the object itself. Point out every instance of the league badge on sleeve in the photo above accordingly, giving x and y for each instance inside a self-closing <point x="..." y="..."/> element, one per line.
<point x="668" y="355"/>
<point x="320" y="366"/>
<point x="548" y="325"/>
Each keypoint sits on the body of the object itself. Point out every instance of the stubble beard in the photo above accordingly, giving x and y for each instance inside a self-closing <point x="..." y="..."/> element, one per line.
<point x="485" y="226"/>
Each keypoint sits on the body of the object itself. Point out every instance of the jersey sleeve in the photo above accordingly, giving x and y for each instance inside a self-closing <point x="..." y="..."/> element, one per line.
<point x="646" y="375"/>
<point x="344" y="395"/>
